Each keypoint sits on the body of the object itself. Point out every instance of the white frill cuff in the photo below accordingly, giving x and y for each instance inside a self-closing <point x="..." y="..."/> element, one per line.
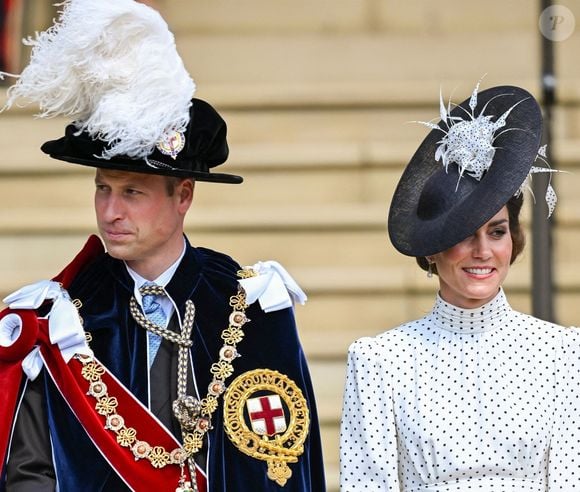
<point x="64" y="324"/>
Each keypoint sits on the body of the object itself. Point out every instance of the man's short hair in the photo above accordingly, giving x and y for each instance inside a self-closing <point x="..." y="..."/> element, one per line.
<point x="171" y="183"/>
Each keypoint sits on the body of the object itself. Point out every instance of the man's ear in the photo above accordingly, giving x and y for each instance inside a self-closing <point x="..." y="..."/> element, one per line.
<point x="186" y="189"/>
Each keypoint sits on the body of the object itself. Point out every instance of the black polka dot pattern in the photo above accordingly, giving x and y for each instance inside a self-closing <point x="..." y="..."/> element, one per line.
<point x="484" y="399"/>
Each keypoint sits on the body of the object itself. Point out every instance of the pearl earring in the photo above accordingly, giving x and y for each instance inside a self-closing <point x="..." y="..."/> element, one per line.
<point x="430" y="269"/>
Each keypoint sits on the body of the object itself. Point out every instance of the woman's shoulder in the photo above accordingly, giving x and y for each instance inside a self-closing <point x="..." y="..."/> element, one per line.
<point x="549" y="333"/>
<point x="572" y="332"/>
<point x="398" y="338"/>
<point x="539" y="326"/>
<point x="571" y="335"/>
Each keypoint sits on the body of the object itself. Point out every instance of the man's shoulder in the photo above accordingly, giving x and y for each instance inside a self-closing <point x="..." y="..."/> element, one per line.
<point x="211" y="258"/>
<point x="93" y="274"/>
<point x="218" y="270"/>
<point x="88" y="262"/>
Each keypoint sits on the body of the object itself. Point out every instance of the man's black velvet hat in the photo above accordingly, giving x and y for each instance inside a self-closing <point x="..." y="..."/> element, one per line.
<point x="434" y="208"/>
<point x="204" y="147"/>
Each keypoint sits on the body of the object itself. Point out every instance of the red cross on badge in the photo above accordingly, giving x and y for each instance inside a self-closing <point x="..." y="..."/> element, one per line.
<point x="267" y="415"/>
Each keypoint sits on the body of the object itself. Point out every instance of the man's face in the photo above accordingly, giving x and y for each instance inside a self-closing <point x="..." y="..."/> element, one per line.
<point x="139" y="220"/>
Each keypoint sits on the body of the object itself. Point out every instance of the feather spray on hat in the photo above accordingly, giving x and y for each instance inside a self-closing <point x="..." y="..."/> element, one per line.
<point x="111" y="66"/>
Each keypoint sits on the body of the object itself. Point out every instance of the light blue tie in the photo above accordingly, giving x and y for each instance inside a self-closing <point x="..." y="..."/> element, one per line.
<point x="155" y="314"/>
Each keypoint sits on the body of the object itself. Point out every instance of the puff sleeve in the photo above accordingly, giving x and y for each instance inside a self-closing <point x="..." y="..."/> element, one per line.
<point x="564" y="460"/>
<point x="368" y="418"/>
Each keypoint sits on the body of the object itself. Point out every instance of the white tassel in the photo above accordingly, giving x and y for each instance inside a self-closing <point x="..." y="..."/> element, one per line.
<point x="113" y="68"/>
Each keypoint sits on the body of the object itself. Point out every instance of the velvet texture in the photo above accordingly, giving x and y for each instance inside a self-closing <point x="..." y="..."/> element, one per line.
<point x="11" y="374"/>
<point x="208" y="279"/>
<point x="205" y="147"/>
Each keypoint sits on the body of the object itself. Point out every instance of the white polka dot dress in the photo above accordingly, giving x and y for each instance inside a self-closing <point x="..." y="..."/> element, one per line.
<point x="486" y="399"/>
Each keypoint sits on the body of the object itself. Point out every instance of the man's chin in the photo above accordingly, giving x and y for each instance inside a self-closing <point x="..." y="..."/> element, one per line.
<point x="118" y="251"/>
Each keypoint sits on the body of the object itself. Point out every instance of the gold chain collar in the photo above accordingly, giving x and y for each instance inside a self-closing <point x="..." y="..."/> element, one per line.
<point x="194" y="416"/>
<point x="183" y="339"/>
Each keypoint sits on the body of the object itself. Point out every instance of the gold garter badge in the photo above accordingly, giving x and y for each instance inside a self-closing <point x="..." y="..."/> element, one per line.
<point x="278" y="415"/>
<point x="172" y="144"/>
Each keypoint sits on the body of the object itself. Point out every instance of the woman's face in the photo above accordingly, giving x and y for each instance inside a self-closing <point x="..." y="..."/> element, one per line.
<point x="471" y="272"/>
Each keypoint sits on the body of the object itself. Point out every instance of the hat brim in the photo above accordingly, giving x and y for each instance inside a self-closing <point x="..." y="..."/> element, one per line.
<point x="146" y="169"/>
<point x="204" y="147"/>
<point x="417" y="234"/>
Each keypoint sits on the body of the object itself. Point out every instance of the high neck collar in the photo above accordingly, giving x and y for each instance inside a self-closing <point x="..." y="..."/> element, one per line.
<point x="460" y="320"/>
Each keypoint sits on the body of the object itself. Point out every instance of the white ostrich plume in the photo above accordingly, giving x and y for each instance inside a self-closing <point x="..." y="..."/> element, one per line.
<point x="112" y="67"/>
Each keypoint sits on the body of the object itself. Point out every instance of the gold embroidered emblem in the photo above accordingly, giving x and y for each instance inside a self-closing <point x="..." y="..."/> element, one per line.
<point x="281" y="442"/>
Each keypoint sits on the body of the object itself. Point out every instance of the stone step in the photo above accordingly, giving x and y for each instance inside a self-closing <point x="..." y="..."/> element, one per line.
<point x="230" y="17"/>
<point x="342" y="69"/>
<point x="328" y="381"/>
<point x="351" y="235"/>
<point x="329" y="324"/>
<point x="309" y="69"/>
<point x="290" y="139"/>
<point x="347" y="303"/>
<point x="289" y="17"/>
<point x="258" y="138"/>
<point x="353" y="170"/>
<point x="345" y="300"/>
<point x="332" y="475"/>
<point x="24" y="216"/>
<point x="322" y="183"/>
<point x="274" y="192"/>
<point x="283" y="55"/>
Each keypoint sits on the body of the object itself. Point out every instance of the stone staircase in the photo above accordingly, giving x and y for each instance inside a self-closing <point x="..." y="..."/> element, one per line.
<point x="317" y="96"/>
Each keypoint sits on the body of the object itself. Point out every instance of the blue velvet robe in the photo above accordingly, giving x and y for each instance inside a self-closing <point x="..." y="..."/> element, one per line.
<point x="209" y="279"/>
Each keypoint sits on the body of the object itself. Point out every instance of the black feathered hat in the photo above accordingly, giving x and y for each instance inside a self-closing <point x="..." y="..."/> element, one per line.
<point x="190" y="154"/>
<point x="467" y="168"/>
<point x="112" y="68"/>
